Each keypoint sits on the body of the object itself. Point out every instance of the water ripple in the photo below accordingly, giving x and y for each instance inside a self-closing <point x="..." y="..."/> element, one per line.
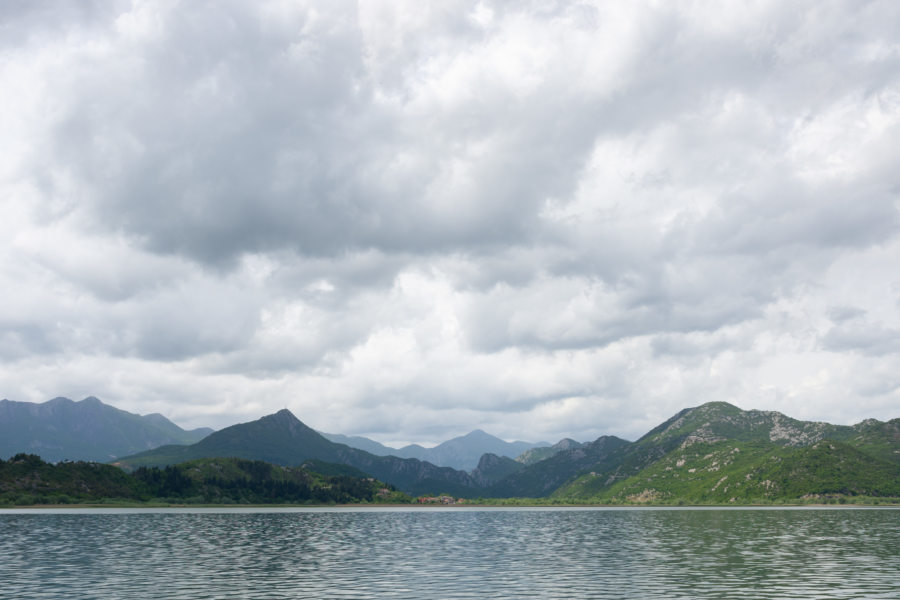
<point x="344" y="554"/>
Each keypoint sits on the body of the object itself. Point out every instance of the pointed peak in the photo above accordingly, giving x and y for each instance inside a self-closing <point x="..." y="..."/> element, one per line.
<point x="479" y="433"/>
<point x="287" y="420"/>
<point x="284" y="416"/>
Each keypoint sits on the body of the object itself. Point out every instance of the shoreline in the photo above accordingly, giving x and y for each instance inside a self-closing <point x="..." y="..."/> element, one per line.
<point x="439" y="507"/>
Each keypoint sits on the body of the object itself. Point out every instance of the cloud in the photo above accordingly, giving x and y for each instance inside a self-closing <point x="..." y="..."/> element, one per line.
<point x="413" y="221"/>
<point x="868" y="338"/>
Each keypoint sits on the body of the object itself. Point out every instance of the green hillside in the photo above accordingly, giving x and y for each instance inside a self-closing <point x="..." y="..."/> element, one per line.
<point x="875" y="438"/>
<point x="718" y="453"/>
<point x="746" y="472"/>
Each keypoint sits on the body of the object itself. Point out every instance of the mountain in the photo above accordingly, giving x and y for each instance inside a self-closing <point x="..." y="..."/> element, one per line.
<point x="462" y="453"/>
<point x="718" y="453"/>
<point x="533" y="455"/>
<point x="90" y="430"/>
<point x="283" y="439"/>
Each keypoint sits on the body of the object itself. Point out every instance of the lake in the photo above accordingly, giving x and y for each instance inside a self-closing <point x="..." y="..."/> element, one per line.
<point x="450" y="553"/>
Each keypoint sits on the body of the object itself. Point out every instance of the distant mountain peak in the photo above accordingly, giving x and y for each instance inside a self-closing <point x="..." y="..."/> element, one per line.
<point x="282" y="418"/>
<point x="286" y="420"/>
<point x="62" y="429"/>
<point x="282" y="425"/>
<point x="479" y="434"/>
<point x="58" y="400"/>
<point x="566" y="444"/>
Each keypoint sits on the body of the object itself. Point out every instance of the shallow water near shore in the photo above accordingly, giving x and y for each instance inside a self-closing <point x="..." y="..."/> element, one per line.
<point x="476" y="552"/>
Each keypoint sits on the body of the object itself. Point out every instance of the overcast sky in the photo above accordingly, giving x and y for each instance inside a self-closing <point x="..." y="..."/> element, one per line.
<point x="409" y="220"/>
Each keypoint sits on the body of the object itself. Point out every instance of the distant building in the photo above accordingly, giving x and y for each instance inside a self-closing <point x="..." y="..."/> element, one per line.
<point x="440" y="500"/>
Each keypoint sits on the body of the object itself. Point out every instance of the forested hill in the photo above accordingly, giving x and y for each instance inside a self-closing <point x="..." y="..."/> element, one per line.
<point x="25" y="479"/>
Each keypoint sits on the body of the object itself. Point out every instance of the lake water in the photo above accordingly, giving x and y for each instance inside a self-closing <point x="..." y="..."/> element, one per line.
<point x="450" y="553"/>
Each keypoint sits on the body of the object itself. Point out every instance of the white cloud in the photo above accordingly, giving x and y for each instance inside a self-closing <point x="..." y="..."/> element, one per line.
<point x="411" y="221"/>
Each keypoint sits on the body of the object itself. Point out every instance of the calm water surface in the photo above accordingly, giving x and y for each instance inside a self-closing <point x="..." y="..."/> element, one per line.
<point x="457" y="553"/>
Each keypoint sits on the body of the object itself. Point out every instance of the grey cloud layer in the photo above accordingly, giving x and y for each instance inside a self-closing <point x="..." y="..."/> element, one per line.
<point x="529" y="213"/>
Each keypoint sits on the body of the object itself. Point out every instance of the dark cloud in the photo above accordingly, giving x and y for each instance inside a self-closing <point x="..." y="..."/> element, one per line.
<point x="220" y="133"/>
<point x="868" y="338"/>
<point x="839" y="314"/>
<point x="218" y="139"/>
<point x="25" y="23"/>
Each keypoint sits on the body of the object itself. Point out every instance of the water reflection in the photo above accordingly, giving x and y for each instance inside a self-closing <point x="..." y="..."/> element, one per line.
<point x="453" y="554"/>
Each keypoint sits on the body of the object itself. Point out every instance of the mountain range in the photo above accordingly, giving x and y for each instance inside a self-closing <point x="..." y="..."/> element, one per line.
<point x="61" y="429"/>
<point x="712" y="453"/>
<point x="462" y="453"/>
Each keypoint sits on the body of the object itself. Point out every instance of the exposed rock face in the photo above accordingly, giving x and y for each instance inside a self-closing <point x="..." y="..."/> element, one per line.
<point x="795" y="433"/>
<point x="718" y="421"/>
